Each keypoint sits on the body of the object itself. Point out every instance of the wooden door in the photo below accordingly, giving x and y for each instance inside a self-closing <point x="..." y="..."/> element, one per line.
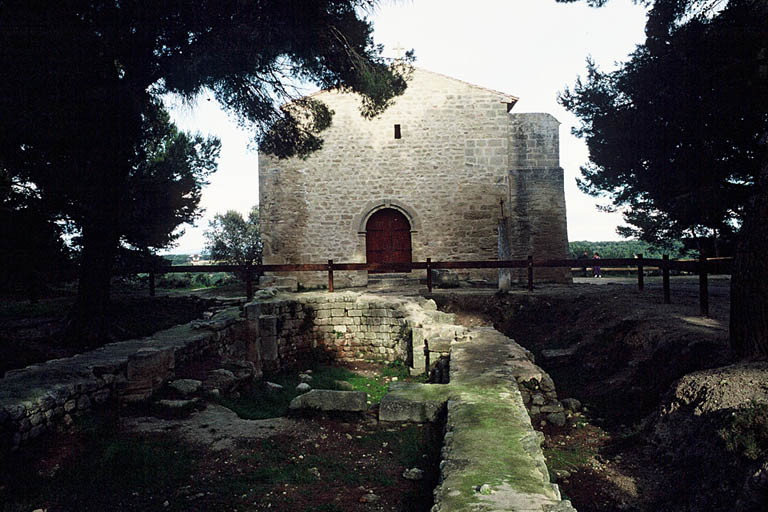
<point x="388" y="238"/>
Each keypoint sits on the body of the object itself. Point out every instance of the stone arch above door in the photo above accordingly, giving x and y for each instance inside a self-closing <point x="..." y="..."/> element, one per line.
<point x="372" y="207"/>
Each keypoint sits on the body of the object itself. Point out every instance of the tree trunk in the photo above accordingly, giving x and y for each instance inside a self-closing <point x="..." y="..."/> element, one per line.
<point x="749" y="282"/>
<point x="89" y="323"/>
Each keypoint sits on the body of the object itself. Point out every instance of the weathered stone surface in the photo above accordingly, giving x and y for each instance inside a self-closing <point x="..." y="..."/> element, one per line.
<point x="331" y="400"/>
<point x="503" y="450"/>
<point x="440" y="345"/>
<point x="343" y="385"/>
<point x="185" y="387"/>
<point x="413" y="474"/>
<point x="443" y="278"/>
<point x="147" y="369"/>
<point x="177" y="408"/>
<point x="221" y="379"/>
<point x="556" y="418"/>
<point x="418" y="403"/>
<point x="571" y="404"/>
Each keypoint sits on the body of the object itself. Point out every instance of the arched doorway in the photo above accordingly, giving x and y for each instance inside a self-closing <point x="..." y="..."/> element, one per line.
<point x="388" y="238"/>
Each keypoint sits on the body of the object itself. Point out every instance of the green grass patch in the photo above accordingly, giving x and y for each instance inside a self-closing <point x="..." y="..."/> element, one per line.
<point x="747" y="433"/>
<point x="570" y="459"/>
<point x="260" y="403"/>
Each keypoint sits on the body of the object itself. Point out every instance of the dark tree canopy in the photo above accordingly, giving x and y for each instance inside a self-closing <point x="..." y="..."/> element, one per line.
<point x="80" y="78"/>
<point x="706" y="72"/>
<point x="165" y="188"/>
<point x="670" y="134"/>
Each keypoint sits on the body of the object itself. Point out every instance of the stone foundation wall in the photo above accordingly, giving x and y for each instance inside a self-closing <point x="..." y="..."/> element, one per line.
<point x="50" y="396"/>
<point x="270" y="335"/>
<point x="341" y="326"/>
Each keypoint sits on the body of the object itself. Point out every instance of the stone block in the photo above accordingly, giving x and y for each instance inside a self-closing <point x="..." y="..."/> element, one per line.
<point x="441" y="345"/>
<point x="331" y="400"/>
<point x="440" y="317"/>
<point x="147" y="369"/>
<point x="268" y="348"/>
<point x="84" y="402"/>
<point x="16" y="412"/>
<point x="101" y="395"/>
<point x="268" y="325"/>
<point x="410" y="406"/>
<point x="185" y="387"/>
<point x="252" y="314"/>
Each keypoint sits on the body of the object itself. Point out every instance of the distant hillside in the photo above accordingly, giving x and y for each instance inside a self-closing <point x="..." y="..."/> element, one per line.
<point x="624" y="249"/>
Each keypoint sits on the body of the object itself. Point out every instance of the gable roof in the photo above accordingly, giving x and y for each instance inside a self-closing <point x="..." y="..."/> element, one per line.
<point x="503" y="97"/>
<point x="508" y="98"/>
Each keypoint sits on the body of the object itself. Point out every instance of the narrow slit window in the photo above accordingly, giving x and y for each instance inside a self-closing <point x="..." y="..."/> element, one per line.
<point x="398" y="135"/>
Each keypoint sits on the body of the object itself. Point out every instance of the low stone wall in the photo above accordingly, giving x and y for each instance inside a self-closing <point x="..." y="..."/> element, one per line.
<point x="271" y="334"/>
<point x="491" y="458"/>
<point x="49" y="396"/>
<point x="348" y="326"/>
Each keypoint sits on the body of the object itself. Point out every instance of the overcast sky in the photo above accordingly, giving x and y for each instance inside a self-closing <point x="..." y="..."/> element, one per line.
<point x="528" y="48"/>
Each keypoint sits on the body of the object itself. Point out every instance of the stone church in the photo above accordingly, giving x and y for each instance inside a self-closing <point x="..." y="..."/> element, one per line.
<point x="448" y="172"/>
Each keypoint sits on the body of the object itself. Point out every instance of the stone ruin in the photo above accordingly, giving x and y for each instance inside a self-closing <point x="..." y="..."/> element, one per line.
<point x="486" y="375"/>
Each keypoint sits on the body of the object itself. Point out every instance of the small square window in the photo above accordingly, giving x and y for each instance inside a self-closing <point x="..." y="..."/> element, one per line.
<point x="398" y="135"/>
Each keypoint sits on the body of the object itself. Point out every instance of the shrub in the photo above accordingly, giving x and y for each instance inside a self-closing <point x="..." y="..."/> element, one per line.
<point x="747" y="433"/>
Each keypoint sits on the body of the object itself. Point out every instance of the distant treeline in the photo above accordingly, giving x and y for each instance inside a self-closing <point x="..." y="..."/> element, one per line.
<point x="182" y="259"/>
<point x="627" y="249"/>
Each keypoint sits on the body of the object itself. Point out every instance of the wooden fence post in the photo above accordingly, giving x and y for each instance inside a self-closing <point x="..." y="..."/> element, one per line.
<point x="665" y="277"/>
<point x="429" y="275"/>
<point x="330" y="276"/>
<point x="703" y="286"/>
<point x="152" y="282"/>
<point x="248" y="282"/>
<point x="640" y="276"/>
<point x="530" y="273"/>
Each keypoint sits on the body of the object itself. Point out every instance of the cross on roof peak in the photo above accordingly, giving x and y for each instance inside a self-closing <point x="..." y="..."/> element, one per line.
<point x="399" y="50"/>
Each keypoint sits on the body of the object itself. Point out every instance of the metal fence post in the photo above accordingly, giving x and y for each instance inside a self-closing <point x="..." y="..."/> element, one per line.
<point x="330" y="276"/>
<point x="429" y="275"/>
<point x="640" y="277"/>
<point x="703" y="286"/>
<point x="665" y="277"/>
<point x="530" y="273"/>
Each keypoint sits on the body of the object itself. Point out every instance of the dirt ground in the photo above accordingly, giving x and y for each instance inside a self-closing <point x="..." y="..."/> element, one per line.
<point x="314" y="464"/>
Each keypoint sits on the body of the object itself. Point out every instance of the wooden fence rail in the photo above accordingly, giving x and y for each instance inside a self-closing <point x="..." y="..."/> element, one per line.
<point x="702" y="267"/>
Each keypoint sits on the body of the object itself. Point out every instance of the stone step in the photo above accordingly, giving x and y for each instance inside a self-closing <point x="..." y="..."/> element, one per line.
<point x="391" y="281"/>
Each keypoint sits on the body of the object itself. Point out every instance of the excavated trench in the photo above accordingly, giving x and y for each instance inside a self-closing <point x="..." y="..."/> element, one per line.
<point x="659" y="388"/>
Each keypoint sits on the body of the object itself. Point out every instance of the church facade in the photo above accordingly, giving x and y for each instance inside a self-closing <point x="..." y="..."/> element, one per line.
<point x="447" y="172"/>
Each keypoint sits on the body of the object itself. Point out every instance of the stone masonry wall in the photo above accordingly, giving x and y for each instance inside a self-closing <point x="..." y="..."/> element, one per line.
<point x="536" y="202"/>
<point x="342" y="326"/>
<point x="447" y="174"/>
